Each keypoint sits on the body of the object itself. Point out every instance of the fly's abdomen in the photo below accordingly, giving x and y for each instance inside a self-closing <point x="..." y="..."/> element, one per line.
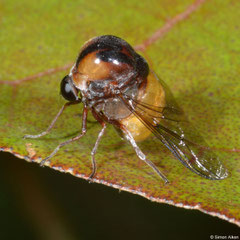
<point x="152" y="94"/>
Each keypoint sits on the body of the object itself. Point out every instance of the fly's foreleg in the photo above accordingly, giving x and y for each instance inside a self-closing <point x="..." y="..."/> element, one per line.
<point x="52" y="123"/>
<point x="83" y="132"/>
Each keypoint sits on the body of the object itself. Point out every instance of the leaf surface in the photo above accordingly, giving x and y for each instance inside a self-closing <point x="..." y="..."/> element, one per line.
<point x="193" y="46"/>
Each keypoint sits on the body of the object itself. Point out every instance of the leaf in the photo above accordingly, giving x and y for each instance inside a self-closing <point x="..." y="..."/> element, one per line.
<point x="193" y="46"/>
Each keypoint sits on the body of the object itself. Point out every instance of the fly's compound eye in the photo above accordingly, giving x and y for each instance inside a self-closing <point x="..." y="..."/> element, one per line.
<point x="68" y="90"/>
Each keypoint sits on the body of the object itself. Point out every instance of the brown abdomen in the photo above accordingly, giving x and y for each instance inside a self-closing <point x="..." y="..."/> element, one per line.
<point x="153" y="94"/>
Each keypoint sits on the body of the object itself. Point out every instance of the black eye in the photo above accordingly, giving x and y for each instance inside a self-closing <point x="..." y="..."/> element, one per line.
<point x="68" y="91"/>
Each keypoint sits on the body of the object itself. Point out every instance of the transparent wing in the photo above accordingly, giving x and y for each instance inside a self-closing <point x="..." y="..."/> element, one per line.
<point x="177" y="134"/>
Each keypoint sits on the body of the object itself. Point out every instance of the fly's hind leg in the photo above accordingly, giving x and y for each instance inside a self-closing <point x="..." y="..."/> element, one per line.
<point x="141" y="155"/>
<point x="52" y="123"/>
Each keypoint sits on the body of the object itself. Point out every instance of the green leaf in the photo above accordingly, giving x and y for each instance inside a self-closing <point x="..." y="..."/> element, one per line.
<point x="193" y="46"/>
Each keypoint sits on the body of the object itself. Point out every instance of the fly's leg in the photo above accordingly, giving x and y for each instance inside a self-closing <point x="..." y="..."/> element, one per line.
<point x="52" y="123"/>
<point x="94" y="165"/>
<point x="93" y="152"/>
<point x="141" y="155"/>
<point x="83" y="132"/>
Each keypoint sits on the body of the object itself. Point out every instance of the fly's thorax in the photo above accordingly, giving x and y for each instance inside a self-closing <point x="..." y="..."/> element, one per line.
<point x="98" y="66"/>
<point x="102" y="58"/>
<point x="152" y="94"/>
<point x="108" y="59"/>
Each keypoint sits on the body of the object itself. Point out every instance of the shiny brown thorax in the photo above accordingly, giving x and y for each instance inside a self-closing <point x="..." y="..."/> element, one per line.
<point x="107" y="71"/>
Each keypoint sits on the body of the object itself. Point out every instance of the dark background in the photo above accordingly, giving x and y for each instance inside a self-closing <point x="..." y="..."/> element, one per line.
<point x="41" y="203"/>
